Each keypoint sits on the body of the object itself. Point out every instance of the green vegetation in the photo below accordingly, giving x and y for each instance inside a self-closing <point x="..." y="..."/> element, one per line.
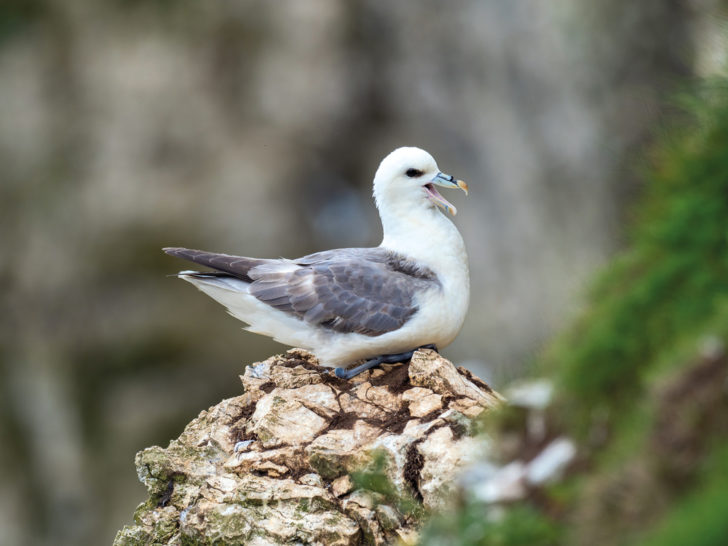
<point x="641" y="376"/>
<point x="374" y="479"/>
<point x="667" y="286"/>
<point x="522" y="525"/>
<point x="700" y="519"/>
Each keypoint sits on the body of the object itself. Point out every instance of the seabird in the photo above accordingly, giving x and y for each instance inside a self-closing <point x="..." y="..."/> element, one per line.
<point x="350" y="304"/>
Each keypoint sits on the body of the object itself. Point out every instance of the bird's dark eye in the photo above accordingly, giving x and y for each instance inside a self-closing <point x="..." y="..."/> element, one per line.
<point x="413" y="173"/>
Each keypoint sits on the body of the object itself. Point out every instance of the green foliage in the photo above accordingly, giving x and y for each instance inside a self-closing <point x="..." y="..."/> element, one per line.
<point x="645" y="403"/>
<point x="700" y="519"/>
<point x="473" y="525"/>
<point x="647" y="315"/>
<point x="670" y="281"/>
<point x="374" y="478"/>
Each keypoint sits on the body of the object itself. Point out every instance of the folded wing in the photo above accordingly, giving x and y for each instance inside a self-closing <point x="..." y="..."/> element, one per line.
<point x="369" y="291"/>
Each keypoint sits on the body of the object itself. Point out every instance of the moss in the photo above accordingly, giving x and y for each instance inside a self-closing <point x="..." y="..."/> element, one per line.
<point x="132" y="536"/>
<point x="143" y="508"/>
<point x="473" y="526"/>
<point x="700" y="518"/>
<point x="226" y="525"/>
<point x="328" y="465"/>
<point x="153" y="468"/>
<point x="304" y="505"/>
<point x="265" y="436"/>
<point x="373" y="477"/>
<point x="165" y="526"/>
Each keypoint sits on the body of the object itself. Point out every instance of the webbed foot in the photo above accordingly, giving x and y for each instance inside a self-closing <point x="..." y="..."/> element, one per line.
<point x="374" y="362"/>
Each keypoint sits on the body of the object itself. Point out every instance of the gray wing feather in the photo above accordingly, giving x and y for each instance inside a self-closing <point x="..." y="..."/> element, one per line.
<point x="369" y="291"/>
<point x="237" y="266"/>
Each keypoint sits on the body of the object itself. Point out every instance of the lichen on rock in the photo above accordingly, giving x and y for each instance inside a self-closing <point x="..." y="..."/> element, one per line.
<point x="273" y="465"/>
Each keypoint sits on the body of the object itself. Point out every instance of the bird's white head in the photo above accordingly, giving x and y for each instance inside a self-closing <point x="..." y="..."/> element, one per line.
<point x="407" y="178"/>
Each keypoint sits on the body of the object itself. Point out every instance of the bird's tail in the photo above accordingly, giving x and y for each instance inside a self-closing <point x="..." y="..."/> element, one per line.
<point x="235" y="266"/>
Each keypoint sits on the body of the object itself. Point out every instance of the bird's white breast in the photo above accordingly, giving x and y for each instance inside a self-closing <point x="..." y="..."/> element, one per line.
<point x="433" y="240"/>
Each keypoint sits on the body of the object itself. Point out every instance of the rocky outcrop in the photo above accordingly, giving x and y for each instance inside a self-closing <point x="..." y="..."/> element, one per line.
<point x="275" y="464"/>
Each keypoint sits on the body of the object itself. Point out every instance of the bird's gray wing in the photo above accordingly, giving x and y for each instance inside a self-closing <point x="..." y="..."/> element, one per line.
<point x="367" y="291"/>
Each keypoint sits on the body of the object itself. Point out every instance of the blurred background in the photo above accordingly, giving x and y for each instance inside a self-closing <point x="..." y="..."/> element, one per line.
<point x="255" y="128"/>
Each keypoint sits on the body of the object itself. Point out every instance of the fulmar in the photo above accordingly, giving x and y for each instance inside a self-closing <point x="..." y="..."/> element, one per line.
<point x="346" y="305"/>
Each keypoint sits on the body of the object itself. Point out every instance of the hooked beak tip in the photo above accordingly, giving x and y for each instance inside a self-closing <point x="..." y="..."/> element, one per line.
<point x="462" y="185"/>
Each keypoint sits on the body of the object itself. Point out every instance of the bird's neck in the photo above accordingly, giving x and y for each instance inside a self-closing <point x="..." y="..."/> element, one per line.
<point x="422" y="233"/>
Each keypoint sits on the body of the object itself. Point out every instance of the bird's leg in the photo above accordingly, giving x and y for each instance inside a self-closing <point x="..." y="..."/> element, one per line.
<point x="383" y="359"/>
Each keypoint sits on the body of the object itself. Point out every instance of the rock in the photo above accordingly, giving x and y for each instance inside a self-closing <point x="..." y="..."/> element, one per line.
<point x="342" y="485"/>
<point x="278" y="420"/>
<point x="442" y="459"/>
<point x="428" y="369"/>
<point x="422" y="401"/>
<point x="274" y="465"/>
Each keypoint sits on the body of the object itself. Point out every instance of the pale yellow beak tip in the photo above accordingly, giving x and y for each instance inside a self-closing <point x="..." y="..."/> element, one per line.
<point x="463" y="186"/>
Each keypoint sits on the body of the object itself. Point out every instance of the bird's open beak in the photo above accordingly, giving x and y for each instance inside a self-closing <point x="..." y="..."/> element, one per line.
<point x="446" y="181"/>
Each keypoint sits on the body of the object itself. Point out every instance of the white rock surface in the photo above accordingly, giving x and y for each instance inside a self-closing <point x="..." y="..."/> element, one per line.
<point x="275" y="465"/>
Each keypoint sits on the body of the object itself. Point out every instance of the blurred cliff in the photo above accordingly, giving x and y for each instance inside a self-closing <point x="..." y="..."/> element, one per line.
<point x="255" y="127"/>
